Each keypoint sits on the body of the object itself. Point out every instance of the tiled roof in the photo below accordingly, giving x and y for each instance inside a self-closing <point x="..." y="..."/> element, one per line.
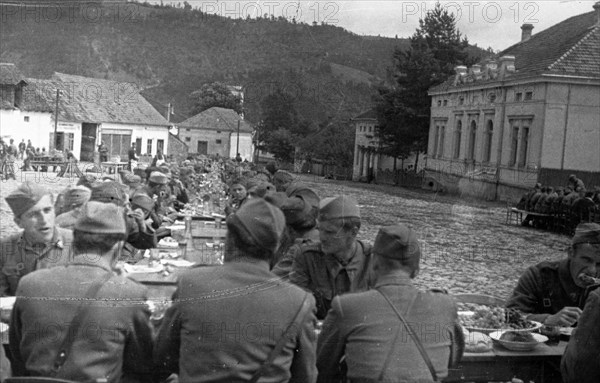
<point x="569" y="40"/>
<point x="37" y="96"/>
<point x="217" y="118"/>
<point x="368" y="115"/>
<point x="85" y="99"/>
<point x="567" y="48"/>
<point x="9" y="74"/>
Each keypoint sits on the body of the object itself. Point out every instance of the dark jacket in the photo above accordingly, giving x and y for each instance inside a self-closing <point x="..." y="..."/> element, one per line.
<point x="581" y="361"/>
<point x="316" y="272"/>
<point x="365" y="329"/>
<point x="545" y="289"/>
<point x="115" y="339"/>
<point x="225" y="321"/>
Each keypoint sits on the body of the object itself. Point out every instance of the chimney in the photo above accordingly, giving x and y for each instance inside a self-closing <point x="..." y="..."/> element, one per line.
<point x="507" y="65"/>
<point x="461" y="70"/>
<point x="597" y="9"/>
<point x="526" y="32"/>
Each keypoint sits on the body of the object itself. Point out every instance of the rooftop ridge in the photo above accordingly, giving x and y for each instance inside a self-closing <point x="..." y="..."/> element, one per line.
<point x="575" y="46"/>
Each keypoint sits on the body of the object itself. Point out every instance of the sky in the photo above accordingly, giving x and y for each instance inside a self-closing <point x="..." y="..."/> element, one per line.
<point x="493" y="24"/>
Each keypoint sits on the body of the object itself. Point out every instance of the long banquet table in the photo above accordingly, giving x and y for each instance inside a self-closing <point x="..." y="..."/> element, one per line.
<point x="541" y="365"/>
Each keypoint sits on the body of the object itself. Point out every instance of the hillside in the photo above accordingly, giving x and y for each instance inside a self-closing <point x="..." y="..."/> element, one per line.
<point x="171" y="52"/>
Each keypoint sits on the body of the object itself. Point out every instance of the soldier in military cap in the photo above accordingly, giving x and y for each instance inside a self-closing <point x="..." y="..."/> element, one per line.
<point x="301" y="208"/>
<point x="114" y="338"/>
<point x="238" y="322"/>
<point x="366" y="328"/>
<point x="40" y="245"/>
<point x="282" y="179"/>
<point x="553" y="293"/>
<point x="74" y="199"/>
<point x="339" y="263"/>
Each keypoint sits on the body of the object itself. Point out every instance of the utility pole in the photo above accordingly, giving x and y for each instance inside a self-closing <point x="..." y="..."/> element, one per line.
<point x="56" y="119"/>
<point x="237" y="148"/>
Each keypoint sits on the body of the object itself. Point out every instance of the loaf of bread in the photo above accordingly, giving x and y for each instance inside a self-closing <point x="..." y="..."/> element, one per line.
<point x="477" y="342"/>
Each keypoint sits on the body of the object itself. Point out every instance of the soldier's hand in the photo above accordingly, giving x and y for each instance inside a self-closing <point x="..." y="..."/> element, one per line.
<point x="564" y="318"/>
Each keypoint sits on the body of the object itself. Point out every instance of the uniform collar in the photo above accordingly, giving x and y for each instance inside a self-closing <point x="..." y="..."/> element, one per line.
<point x="394" y="278"/>
<point x="56" y="241"/>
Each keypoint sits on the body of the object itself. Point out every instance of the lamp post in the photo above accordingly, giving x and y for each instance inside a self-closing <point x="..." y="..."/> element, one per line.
<point x="56" y="119"/>
<point x="237" y="147"/>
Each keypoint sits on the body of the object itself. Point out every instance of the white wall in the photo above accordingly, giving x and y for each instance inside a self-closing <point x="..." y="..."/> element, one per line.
<point x="12" y="125"/>
<point x="146" y="133"/>
<point x="246" y="149"/>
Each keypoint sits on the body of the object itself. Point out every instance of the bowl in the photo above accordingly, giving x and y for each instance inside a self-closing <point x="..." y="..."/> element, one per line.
<point x="517" y="346"/>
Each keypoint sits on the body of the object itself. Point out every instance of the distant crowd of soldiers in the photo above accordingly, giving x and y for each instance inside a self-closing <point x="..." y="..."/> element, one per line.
<point x="568" y="206"/>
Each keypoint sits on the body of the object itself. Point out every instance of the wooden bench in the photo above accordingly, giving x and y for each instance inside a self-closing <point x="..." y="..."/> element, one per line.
<point x="512" y="213"/>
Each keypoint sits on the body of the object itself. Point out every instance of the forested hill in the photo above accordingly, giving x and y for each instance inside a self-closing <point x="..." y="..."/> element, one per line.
<point x="173" y="51"/>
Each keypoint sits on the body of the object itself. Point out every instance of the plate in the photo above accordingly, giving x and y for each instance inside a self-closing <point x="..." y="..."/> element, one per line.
<point x="134" y="269"/>
<point x="535" y="326"/>
<point x="517" y="346"/>
<point x="7" y="303"/>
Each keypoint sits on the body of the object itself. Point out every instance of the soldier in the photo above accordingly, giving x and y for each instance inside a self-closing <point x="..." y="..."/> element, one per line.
<point x="40" y="245"/>
<point x="581" y="363"/>
<point x="238" y="196"/>
<point x="552" y="293"/>
<point x="575" y="183"/>
<point x="339" y="263"/>
<point x="133" y="158"/>
<point x="282" y="179"/>
<point x="75" y="198"/>
<point x="367" y="329"/>
<point x="238" y="322"/>
<point x="109" y="336"/>
<point x="301" y="208"/>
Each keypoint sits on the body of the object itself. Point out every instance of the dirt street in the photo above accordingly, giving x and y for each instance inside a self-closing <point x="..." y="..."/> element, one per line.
<point x="467" y="247"/>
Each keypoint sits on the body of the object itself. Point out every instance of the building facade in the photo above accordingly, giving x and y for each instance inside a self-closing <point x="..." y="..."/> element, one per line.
<point x="532" y="116"/>
<point x="215" y="131"/>
<point x="369" y="163"/>
<point x="90" y="111"/>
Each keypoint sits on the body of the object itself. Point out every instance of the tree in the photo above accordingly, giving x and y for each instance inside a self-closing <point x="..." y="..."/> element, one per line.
<point x="281" y="145"/>
<point x="214" y="94"/>
<point x="403" y="111"/>
<point x="333" y="143"/>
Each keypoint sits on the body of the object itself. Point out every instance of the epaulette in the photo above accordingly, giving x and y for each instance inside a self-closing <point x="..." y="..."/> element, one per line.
<point x="438" y="290"/>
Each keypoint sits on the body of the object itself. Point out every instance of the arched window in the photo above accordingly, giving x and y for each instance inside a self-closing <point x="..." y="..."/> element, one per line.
<point x="457" y="139"/>
<point x="472" y="138"/>
<point x="489" y="133"/>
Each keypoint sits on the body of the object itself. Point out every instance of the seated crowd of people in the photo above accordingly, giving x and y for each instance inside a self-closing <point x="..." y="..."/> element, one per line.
<point x="562" y="207"/>
<point x="292" y="258"/>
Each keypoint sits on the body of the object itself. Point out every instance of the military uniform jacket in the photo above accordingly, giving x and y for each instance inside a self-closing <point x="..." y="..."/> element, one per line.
<point x="115" y="339"/>
<point x="283" y="266"/>
<point x="18" y="258"/>
<point x="225" y="321"/>
<point x="364" y="328"/>
<point x="545" y="289"/>
<point x="581" y="361"/>
<point x="316" y="271"/>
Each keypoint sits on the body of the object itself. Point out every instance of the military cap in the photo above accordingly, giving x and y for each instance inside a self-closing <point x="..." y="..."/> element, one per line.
<point x="397" y="242"/>
<point x="132" y="180"/>
<point x="586" y="233"/>
<point x="77" y="195"/>
<point x="158" y="178"/>
<point x="101" y="218"/>
<point x="240" y="181"/>
<point x="142" y="200"/>
<point x="258" y="223"/>
<point x="300" y="189"/>
<point x="25" y="197"/>
<point x="338" y="207"/>
<point x="108" y="192"/>
<point x="298" y="212"/>
<point x="283" y="176"/>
